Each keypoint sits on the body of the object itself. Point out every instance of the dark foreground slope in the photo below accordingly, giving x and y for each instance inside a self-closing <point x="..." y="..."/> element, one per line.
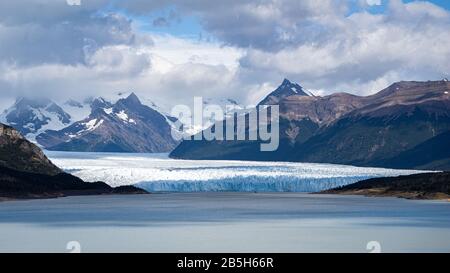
<point x="23" y="185"/>
<point x="417" y="186"/>
<point x="25" y="172"/>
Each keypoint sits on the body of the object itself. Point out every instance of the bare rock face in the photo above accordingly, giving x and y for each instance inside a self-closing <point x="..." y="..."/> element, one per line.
<point x="19" y="154"/>
<point x="7" y="132"/>
<point x="320" y="110"/>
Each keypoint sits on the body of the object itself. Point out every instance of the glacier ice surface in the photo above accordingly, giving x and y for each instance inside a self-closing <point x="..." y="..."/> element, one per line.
<point x="158" y="173"/>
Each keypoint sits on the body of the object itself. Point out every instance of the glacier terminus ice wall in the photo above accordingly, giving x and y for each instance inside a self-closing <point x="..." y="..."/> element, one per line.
<point x="157" y="173"/>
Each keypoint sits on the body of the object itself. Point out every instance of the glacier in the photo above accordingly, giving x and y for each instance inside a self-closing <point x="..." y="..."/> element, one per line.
<point x="158" y="173"/>
<point x="250" y="184"/>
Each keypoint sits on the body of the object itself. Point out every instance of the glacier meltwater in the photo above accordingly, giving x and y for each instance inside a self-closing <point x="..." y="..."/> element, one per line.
<point x="158" y="173"/>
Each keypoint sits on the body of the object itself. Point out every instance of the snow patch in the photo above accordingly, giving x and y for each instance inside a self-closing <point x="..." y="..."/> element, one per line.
<point x="108" y="110"/>
<point x="38" y="115"/>
<point x="89" y="127"/>
<point x="122" y="115"/>
<point x="48" y="121"/>
<point x="77" y="111"/>
<point x="90" y="124"/>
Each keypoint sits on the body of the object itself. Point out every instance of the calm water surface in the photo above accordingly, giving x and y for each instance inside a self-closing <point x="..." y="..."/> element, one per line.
<point x="225" y="222"/>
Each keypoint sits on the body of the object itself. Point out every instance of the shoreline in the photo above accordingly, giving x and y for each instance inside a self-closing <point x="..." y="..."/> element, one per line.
<point x="369" y="193"/>
<point x="426" y="186"/>
<point x="380" y="192"/>
<point x="49" y="197"/>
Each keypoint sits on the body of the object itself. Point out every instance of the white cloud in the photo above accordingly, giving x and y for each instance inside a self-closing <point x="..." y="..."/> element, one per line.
<point x="367" y="52"/>
<point x="160" y="71"/>
<point x="373" y="2"/>
<point x="180" y="51"/>
<point x="82" y="50"/>
<point x="73" y="2"/>
<point x="61" y="41"/>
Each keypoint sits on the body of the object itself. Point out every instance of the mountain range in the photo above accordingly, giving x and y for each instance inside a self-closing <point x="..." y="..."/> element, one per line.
<point x="122" y="123"/>
<point x="94" y="125"/>
<point x="403" y="126"/>
<point x="126" y="126"/>
<point x="33" y="116"/>
<point x="406" y="125"/>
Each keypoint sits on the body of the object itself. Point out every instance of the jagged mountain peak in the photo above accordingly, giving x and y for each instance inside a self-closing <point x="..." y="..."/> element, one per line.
<point x="133" y="99"/>
<point x="291" y="88"/>
<point x="125" y="99"/>
<point x="286" y="89"/>
<point x="287" y="82"/>
<point x="34" y="115"/>
<point x="99" y="103"/>
<point x="124" y="126"/>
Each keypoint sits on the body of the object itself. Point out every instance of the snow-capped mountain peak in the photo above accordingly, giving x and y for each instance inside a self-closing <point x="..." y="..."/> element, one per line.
<point x="124" y="126"/>
<point x="33" y="116"/>
<point x="132" y="98"/>
<point x="286" y="89"/>
<point x="99" y="103"/>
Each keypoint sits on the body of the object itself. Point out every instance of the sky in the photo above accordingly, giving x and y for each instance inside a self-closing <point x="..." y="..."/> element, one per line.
<point x="171" y="51"/>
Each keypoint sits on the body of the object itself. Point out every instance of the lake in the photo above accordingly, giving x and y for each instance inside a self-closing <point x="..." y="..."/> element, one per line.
<point x="225" y="222"/>
<point x="221" y="206"/>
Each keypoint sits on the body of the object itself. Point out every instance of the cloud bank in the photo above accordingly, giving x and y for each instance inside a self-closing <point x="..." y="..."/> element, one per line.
<point x="102" y="47"/>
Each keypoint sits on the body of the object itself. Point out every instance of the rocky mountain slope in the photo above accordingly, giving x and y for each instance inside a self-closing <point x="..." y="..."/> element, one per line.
<point x="25" y="172"/>
<point x="19" y="154"/>
<point x="41" y="120"/>
<point x="250" y="150"/>
<point x="126" y="126"/>
<point x="346" y="129"/>
<point x="432" y="154"/>
<point x="301" y="116"/>
<point x="393" y="121"/>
